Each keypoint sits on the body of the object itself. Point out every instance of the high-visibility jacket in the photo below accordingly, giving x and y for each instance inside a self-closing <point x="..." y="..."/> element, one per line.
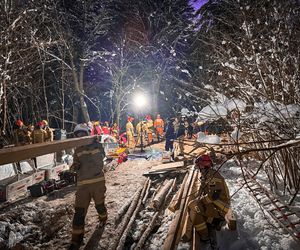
<point x="88" y="163"/>
<point x="50" y="134"/>
<point x="39" y="135"/>
<point x="215" y="191"/>
<point x="130" y="135"/>
<point x="159" y="125"/>
<point x="20" y="137"/>
<point x="149" y="124"/>
<point x="129" y="129"/>
<point x="213" y="201"/>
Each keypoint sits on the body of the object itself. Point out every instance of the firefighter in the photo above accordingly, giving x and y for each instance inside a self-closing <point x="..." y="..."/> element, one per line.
<point x="96" y="128"/>
<point x="149" y="128"/>
<point x="49" y="131"/>
<point x="105" y="128"/>
<point x="130" y="133"/>
<point x="29" y="131"/>
<point x="88" y="164"/>
<point x="170" y="136"/>
<point x="141" y="130"/>
<point x="114" y="131"/>
<point x="159" y="127"/>
<point x="19" y="133"/>
<point x="213" y="201"/>
<point x="39" y="134"/>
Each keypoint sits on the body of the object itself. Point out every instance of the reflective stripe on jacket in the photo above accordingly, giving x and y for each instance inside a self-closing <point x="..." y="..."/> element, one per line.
<point x="88" y="162"/>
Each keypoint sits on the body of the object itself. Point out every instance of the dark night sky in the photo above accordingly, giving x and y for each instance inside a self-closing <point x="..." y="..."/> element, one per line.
<point x="198" y="3"/>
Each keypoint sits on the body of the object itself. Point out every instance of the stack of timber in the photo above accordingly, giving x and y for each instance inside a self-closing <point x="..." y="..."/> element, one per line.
<point x="156" y="216"/>
<point x="142" y="216"/>
<point x="181" y="230"/>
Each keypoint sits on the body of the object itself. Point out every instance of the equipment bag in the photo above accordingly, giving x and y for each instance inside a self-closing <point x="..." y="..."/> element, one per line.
<point x="37" y="189"/>
<point x="42" y="188"/>
<point x="68" y="176"/>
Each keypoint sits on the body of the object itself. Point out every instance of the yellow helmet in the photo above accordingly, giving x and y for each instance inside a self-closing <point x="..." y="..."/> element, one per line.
<point x="45" y="122"/>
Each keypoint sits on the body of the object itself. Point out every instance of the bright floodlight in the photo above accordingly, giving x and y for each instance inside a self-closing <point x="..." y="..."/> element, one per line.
<point x="140" y="100"/>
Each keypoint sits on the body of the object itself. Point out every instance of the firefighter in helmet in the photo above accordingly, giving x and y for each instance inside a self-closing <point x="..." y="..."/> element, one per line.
<point x="39" y="134"/>
<point x="49" y="131"/>
<point x="159" y="127"/>
<point x="88" y="164"/>
<point x="19" y="133"/>
<point x="130" y="133"/>
<point x="149" y="128"/>
<point x="213" y="201"/>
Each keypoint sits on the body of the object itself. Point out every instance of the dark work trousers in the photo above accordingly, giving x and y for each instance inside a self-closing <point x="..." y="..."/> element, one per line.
<point x="169" y="145"/>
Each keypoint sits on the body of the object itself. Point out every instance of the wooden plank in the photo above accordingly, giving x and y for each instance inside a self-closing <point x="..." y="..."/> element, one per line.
<point x="186" y="228"/>
<point x="175" y="202"/>
<point x="161" y="195"/>
<point x="16" y="154"/>
<point x="167" y="166"/>
<point x="170" y="241"/>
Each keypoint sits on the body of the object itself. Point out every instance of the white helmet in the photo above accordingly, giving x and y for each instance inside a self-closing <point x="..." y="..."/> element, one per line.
<point x="82" y="127"/>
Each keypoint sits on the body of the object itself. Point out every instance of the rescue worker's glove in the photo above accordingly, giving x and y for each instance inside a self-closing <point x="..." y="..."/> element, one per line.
<point x="205" y="200"/>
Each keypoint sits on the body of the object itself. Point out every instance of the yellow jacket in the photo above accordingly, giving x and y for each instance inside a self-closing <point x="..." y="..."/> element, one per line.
<point x="215" y="191"/>
<point x="129" y="129"/>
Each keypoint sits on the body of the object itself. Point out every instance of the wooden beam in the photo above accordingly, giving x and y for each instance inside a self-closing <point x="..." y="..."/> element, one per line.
<point x="16" y="154"/>
<point x="170" y="241"/>
<point x="161" y="195"/>
<point x="175" y="202"/>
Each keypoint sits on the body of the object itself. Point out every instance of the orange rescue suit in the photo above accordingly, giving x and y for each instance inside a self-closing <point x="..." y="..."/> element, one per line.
<point x="159" y="126"/>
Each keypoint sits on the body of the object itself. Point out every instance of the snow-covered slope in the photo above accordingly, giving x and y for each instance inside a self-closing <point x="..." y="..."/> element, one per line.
<point x="253" y="230"/>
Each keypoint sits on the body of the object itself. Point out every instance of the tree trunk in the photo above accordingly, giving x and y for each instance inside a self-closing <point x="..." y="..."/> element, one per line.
<point x="79" y="88"/>
<point x="84" y="109"/>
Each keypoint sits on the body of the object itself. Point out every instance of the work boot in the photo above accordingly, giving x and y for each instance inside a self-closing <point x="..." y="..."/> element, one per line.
<point x="74" y="246"/>
<point x="77" y="240"/>
<point x="102" y="219"/>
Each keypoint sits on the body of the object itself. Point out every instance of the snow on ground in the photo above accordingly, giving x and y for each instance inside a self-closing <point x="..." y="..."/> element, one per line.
<point x="211" y="139"/>
<point x="253" y="230"/>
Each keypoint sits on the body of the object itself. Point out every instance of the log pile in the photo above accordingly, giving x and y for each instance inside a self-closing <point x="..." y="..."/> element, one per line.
<point x="157" y="216"/>
<point x="140" y="217"/>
